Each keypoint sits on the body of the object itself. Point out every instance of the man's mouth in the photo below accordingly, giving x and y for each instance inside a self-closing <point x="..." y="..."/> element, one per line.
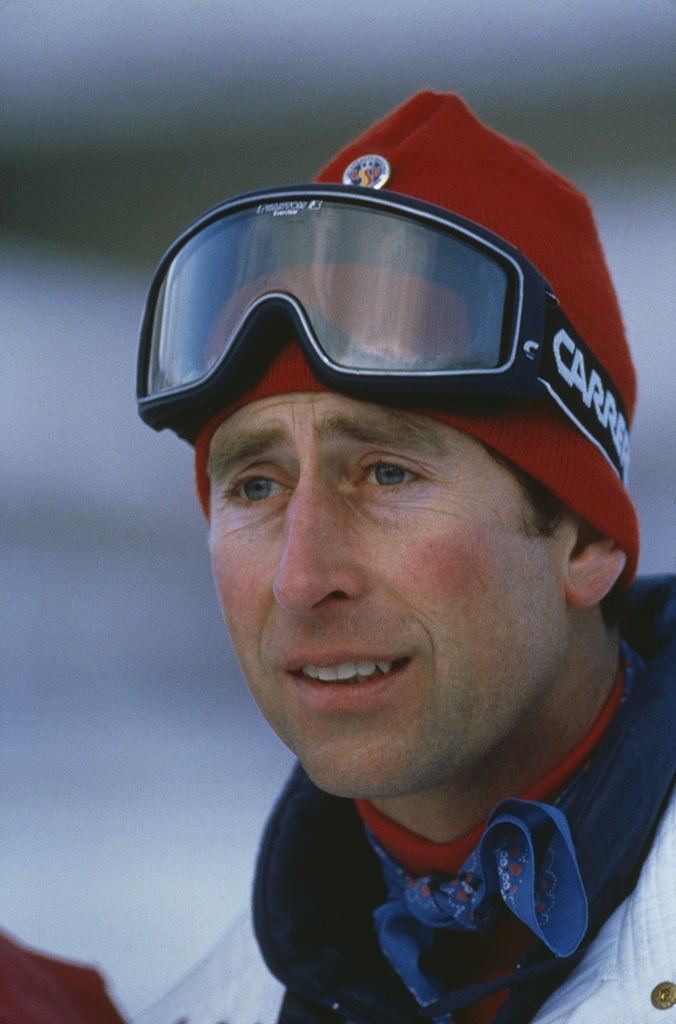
<point x="350" y="671"/>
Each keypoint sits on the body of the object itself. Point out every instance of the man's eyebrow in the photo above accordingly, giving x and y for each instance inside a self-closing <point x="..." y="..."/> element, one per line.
<point x="391" y="428"/>
<point x="243" y="446"/>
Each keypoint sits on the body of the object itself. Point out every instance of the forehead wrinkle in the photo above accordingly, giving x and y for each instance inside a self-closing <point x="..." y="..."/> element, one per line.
<point x="242" y="446"/>
<point x="387" y="428"/>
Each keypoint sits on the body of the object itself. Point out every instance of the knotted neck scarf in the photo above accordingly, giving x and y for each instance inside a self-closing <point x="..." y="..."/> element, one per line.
<point x="524" y="864"/>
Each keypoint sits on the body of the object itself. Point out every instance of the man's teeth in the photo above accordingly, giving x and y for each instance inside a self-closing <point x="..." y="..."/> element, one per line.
<point x="348" y="670"/>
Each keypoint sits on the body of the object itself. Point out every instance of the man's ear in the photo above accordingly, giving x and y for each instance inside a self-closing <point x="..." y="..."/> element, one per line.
<point x="594" y="567"/>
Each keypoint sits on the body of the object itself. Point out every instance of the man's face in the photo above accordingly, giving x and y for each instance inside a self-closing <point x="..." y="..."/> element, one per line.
<point x="397" y="624"/>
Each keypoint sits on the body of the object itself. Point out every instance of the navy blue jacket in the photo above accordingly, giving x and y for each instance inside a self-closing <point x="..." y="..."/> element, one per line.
<point x="318" y="881"/>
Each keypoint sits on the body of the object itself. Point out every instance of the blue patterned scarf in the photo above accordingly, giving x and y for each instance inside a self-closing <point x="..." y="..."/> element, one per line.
<point x="524" y="863"/>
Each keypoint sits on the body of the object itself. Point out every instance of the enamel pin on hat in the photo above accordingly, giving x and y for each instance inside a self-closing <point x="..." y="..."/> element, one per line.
<point x="370" y="171"/>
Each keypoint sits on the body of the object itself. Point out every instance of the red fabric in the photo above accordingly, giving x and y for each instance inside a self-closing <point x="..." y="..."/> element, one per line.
<point x="489" y="956"/>
<point x="440" y="152"/>
<point x="486" y="956"/>
<point x="39" y="989"/>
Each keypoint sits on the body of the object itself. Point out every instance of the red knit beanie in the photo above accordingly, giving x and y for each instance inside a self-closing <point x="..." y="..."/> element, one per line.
<point x="441" y="153"/>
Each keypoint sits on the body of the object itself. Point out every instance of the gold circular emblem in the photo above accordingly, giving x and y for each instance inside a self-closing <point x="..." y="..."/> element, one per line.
<point x="663" y="996"/>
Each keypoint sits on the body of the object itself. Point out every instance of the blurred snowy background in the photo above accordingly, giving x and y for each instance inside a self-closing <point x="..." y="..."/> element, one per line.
<point x="135" y="772"/>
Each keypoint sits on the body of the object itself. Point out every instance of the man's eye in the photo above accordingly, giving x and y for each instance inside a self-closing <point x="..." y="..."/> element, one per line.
<point x="257" y="488"/>
<point x="388" y="475"/>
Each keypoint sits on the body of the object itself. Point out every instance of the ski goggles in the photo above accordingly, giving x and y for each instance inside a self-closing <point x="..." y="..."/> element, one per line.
<point x="392" y="300"/>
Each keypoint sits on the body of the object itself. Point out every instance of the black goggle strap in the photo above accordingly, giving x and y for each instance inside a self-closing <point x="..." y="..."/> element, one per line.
<point x="583" y="389"/>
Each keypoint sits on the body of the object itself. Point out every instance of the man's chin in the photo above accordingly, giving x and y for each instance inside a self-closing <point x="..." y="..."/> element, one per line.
<point x="354" y="782"/>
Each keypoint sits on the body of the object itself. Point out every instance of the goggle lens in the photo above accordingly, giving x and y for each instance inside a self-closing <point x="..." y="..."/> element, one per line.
<point x="381" y="292"/>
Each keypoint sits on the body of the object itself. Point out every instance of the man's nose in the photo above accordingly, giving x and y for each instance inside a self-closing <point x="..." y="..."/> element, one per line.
<point x="319" y="561"/>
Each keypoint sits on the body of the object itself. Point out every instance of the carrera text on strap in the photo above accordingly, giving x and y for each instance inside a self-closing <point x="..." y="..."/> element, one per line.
<point x="579" y="384"/>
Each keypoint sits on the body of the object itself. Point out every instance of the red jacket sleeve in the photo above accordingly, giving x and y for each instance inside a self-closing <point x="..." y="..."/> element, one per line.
<point x="40" y="989"/>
